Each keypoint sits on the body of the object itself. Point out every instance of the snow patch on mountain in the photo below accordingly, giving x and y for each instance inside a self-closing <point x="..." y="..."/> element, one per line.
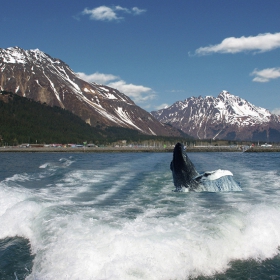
<point x="225" y="116"/>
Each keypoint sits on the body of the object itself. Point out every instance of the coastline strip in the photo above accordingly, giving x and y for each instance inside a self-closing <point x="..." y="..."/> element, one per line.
<point x="136" y="149"/>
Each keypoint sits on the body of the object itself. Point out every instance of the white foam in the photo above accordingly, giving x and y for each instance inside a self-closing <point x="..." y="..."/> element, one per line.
<point x="45" y="165"/>
<point x="172" y="236"/>
<point x="75" y="246"/>
<point x="10" y="197"/>
<point x="63" y="162"/>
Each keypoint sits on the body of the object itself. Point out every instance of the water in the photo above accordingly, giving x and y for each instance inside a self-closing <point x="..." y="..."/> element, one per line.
<point x="114" y="216"/>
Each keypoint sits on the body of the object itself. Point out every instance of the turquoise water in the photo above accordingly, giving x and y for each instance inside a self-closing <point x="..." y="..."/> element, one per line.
<point x="114" y="216"/>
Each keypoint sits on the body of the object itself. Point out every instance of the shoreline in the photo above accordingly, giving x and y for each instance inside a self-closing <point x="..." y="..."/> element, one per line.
<point x="136" y="149"/>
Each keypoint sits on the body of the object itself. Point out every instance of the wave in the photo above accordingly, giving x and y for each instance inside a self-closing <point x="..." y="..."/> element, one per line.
<point x="16" y="260"/>
<point x="121" y="220"/>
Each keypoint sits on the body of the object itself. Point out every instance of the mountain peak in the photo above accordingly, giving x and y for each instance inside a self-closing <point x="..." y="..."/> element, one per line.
<point x="226" y="95"/>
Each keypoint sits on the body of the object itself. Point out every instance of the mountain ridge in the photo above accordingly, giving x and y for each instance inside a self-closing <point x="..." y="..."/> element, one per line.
<point x="36" y="75"/>
<point x="225" y="117"/>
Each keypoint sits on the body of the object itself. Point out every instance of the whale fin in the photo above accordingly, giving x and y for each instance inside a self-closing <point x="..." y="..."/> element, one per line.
<point x="182" y="168"/>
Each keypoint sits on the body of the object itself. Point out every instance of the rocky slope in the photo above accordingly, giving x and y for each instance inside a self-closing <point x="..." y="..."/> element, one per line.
<point x="225" y="117"/>
<point x="38" y="76"/>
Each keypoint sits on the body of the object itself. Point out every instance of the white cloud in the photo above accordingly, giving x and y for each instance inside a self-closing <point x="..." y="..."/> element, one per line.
<point x="138" y="93"/>
<point x="265" y="75"/>
<point x="101" y="13"/>
<point x="119" y="8"/>
<point x="162" y="106"/>
<point x="98" y="78"/>
<point x="138" y="11"/>
<point x="276" y="111"/>
<point x="260" y="43"/>
<point x="105" y="13"/>
<point x="175" y="90"/>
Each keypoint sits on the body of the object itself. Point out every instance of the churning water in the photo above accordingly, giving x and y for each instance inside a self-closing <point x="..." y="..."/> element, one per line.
<point x="114" y="216"/>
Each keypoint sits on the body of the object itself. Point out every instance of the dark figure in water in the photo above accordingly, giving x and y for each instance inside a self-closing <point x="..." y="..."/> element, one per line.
<point x="183" y="170"/>
<point x="185" y="176"/>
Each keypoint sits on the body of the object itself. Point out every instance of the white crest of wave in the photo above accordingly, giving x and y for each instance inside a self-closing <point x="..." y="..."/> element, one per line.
<point x="153" y="248"/>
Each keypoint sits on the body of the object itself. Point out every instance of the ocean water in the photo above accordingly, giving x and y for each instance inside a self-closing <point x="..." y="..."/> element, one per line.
<point x="115" y="216"/>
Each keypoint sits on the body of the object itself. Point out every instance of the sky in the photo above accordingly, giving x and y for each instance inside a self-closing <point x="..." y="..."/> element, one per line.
<point x="157" y="52"/>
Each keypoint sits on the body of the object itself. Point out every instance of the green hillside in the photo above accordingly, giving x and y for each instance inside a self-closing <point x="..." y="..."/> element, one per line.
<point x="23" y="120"/>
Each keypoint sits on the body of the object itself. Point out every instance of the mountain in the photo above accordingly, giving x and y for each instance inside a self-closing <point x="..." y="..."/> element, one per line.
<point x="23" y="120"/>
<point x="225" y="117"/>
<point x="36" y="75"/>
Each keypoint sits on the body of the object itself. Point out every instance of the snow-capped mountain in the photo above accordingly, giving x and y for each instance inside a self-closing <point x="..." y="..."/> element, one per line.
<point x="38" y="76"/>
<point x="225" y="117"/>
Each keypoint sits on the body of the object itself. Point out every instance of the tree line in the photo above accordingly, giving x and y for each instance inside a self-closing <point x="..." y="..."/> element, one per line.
<point x="24" y="120"/>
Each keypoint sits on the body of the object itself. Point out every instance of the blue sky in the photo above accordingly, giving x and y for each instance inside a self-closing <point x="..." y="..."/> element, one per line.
<point x="158" y="52"/>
